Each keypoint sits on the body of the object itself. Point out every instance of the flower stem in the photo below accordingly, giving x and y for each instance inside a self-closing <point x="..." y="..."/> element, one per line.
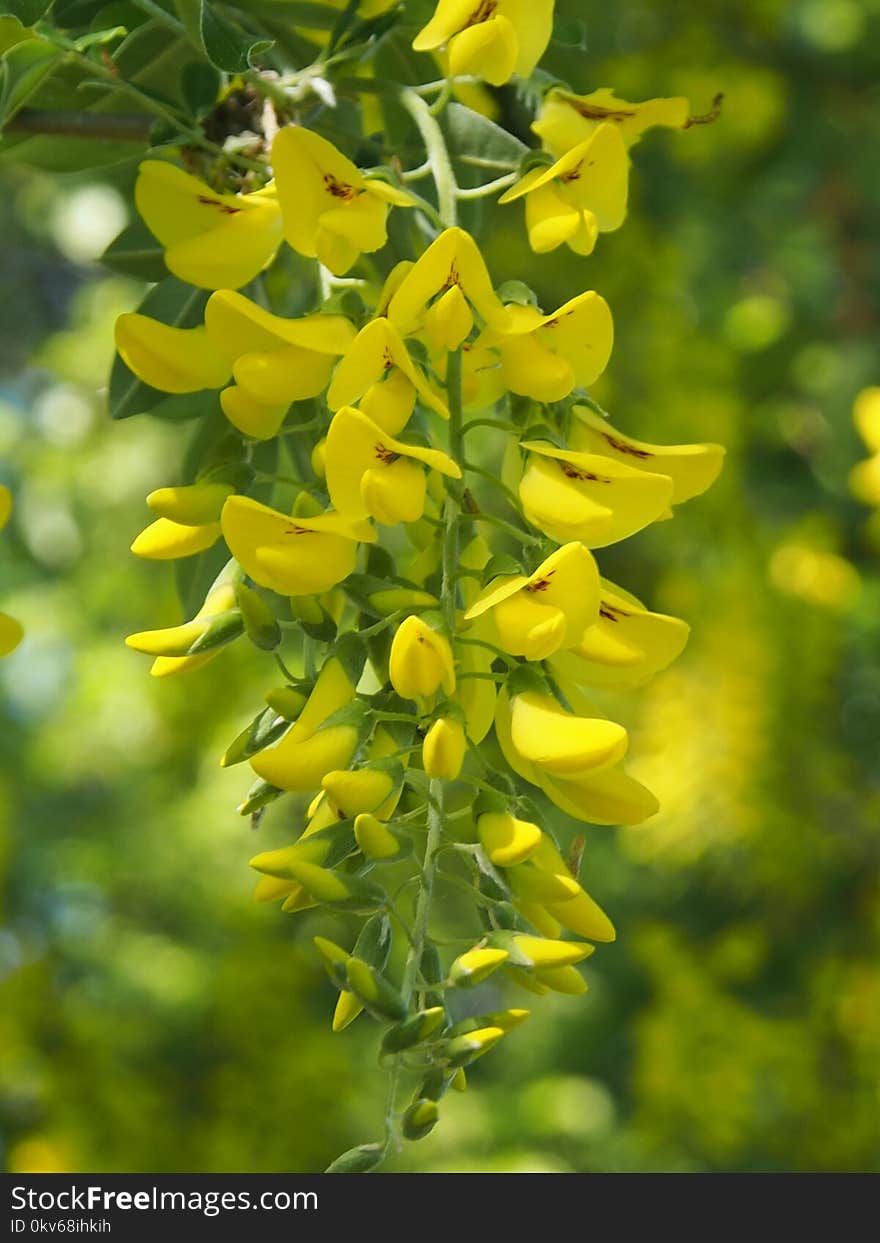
<point x="438" y="155"/>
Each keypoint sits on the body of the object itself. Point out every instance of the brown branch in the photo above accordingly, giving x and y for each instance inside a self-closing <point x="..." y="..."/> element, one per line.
<point x="109" y="126"/>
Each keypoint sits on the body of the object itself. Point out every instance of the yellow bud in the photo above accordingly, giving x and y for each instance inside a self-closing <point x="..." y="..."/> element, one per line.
<point x="420" y="662"/>
<point x="419" y="1119"/>
<point x="375" y="839"/>
<point x="355" y="792"/>
<point x="473" y="966"/>
<point x="443" y="749"/>
<point x="193" y="505"/>
<point x="506" y="840"/>
<point x="347" y="1009"/>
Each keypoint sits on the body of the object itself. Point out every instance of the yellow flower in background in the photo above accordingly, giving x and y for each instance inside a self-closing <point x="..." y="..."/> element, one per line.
<point x="864" y="479"/>
<point x="537" y="615"/>
<point x="566" y="119"/>
<point x="11" y="631"/>
<point x="309" y="750"/>
<point x="179" y="649"/>
<point x="443" y="288"/>
<point x="546" y="356"/>
<point x="625" y="646"/>
<point x="489" y="39"/>
<point x="377" y="370"/>
<point x="215" y="241"/>
<point x="421" y="661"/>
<point x="371" y="474"/>
<point x="331" y="211"/>
<point x="294" y="556"/>
<point x="692" y="468"/>
<point x="580" y="196"/>
<point x="274" y="361"/>
<point x="587" y="496"/>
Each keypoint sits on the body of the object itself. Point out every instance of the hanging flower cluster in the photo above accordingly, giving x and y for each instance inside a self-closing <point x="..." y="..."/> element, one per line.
<point x="411" y="489"/>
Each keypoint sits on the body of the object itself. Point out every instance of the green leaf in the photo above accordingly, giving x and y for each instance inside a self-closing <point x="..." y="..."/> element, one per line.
<point x="200" y="86"/>
<point x="357" y="1160"/>
<point x="25" y="67"/>
<point x="182" y="407"/>
<point x="475" y="136"/>
<point x="27" y="11"/>
<point x="226" y="46"/>
<point x="174" y="303"/>
<point x="135" y="252"/>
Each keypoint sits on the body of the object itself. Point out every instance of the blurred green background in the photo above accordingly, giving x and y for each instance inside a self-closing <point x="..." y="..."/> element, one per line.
<point x="153" y="1018"/>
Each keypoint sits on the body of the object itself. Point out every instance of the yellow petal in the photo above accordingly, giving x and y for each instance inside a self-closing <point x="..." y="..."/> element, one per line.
<point x="507" y="840"/>
<point x="282" y="376"/>
<point x="692" y="468"/>
<point x="174" y="360"/>
<point x="420" y="661"/>
<point x="164" y="540"/>
<point x="238" y="326"/>
<point x="192" y="505"/>
<point x="311" y="175"/>
<point x="582" y="496"/>
<point x="487" y="50"/>
<point x="568" y="119"/>
<point x="559" y="743"/>
<point x="375" y="353"/>
<point x="866" y="413"/>
<point x="453" y="258"/>
<point x="293" y="556"/>
<point x="253" y="418"/>
<point x="5" y="505"/>
<point x="605" y="797"/>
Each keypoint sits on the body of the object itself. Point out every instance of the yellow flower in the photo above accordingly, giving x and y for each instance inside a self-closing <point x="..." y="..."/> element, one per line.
<point x="475" y="965"/>
<point x="570" y="905"/>
<point x="378" y="369"/>
<point x="588" y="496"/>
<point x="580" y="196"/>
<point x="420" y="662"/>
<point x="624" y="647"/>
<point x="489" y="39"/>
<point x="179" y="649"/>
<point x="300" y="759"/>
<point x="331" y="211"/>
<point x="273" y="360"/>
<point x="534" y="616"/>
<point x="443" y="749"/>
<point x="692" y="468"/>
<point x="864" y="479"/>
<point x="453" y="268"/>
<point x="293" y="556"/>
<point x="215" y="241"/>
<point x="191" y="505"/>
<point x="546" y="356"/>
<point x="568" y="119"/>
<point x="369" y="473"/>
<point x="573" y="761"/>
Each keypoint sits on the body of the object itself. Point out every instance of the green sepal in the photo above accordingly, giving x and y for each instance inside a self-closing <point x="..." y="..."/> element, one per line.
<point x="260" y="623"/>
<point x="381" y="999"/>
<point x="414" y="1030"/>
<point x="261" y="794"/>
<point x="222" y="629"/>
<point x="358" y="1160"/>
<point x="350" y="651"/>
<point x="266" y="727"/>
<point x="420" y="1119"/>
<point x="373" y="945"/>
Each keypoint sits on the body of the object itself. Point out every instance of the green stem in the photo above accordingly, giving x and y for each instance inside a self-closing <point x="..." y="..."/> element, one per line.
<point x="438" y="155"/>
<point x="452" y="507"/>
<point x="489" y="187"/>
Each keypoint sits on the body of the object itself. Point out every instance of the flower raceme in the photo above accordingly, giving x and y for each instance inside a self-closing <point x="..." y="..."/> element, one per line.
<point x="411" y="495"/>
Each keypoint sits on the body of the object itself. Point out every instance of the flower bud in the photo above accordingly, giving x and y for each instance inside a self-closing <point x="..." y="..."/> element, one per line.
<point x="476" y="964"/>
<point x="358" y="1160"/>
<point x="371" y="988"/>
<point x="379" y="842"/>
<point x="336" y="891"/>
<point x="192" y="505"/>
<point x="420" y="1119"/>
<point x="505" y="839"/>
<point x="347" y="1010"/>
<point x="444" y="749"/>
<point x="260" y="622"/>
<point x="462" y="1050"/>
<point x="413" y="1030"/>
<point x="421" y="661"/>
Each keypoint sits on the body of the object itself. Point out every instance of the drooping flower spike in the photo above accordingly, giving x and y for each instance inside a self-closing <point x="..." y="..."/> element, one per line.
<point x="430" y="596"/>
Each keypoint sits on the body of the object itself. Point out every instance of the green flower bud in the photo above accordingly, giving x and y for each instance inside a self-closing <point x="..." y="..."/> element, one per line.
<point x="266" y="728"/>
<point x="476" y="964"/>
<point x="337" y="891"/>
<point x="413" y="1030"/>
<point x="370" y="987"/>
<point x="420" y="1119"/>
<point x="358" y="1160"/>
<point x="462" y="1050"/>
